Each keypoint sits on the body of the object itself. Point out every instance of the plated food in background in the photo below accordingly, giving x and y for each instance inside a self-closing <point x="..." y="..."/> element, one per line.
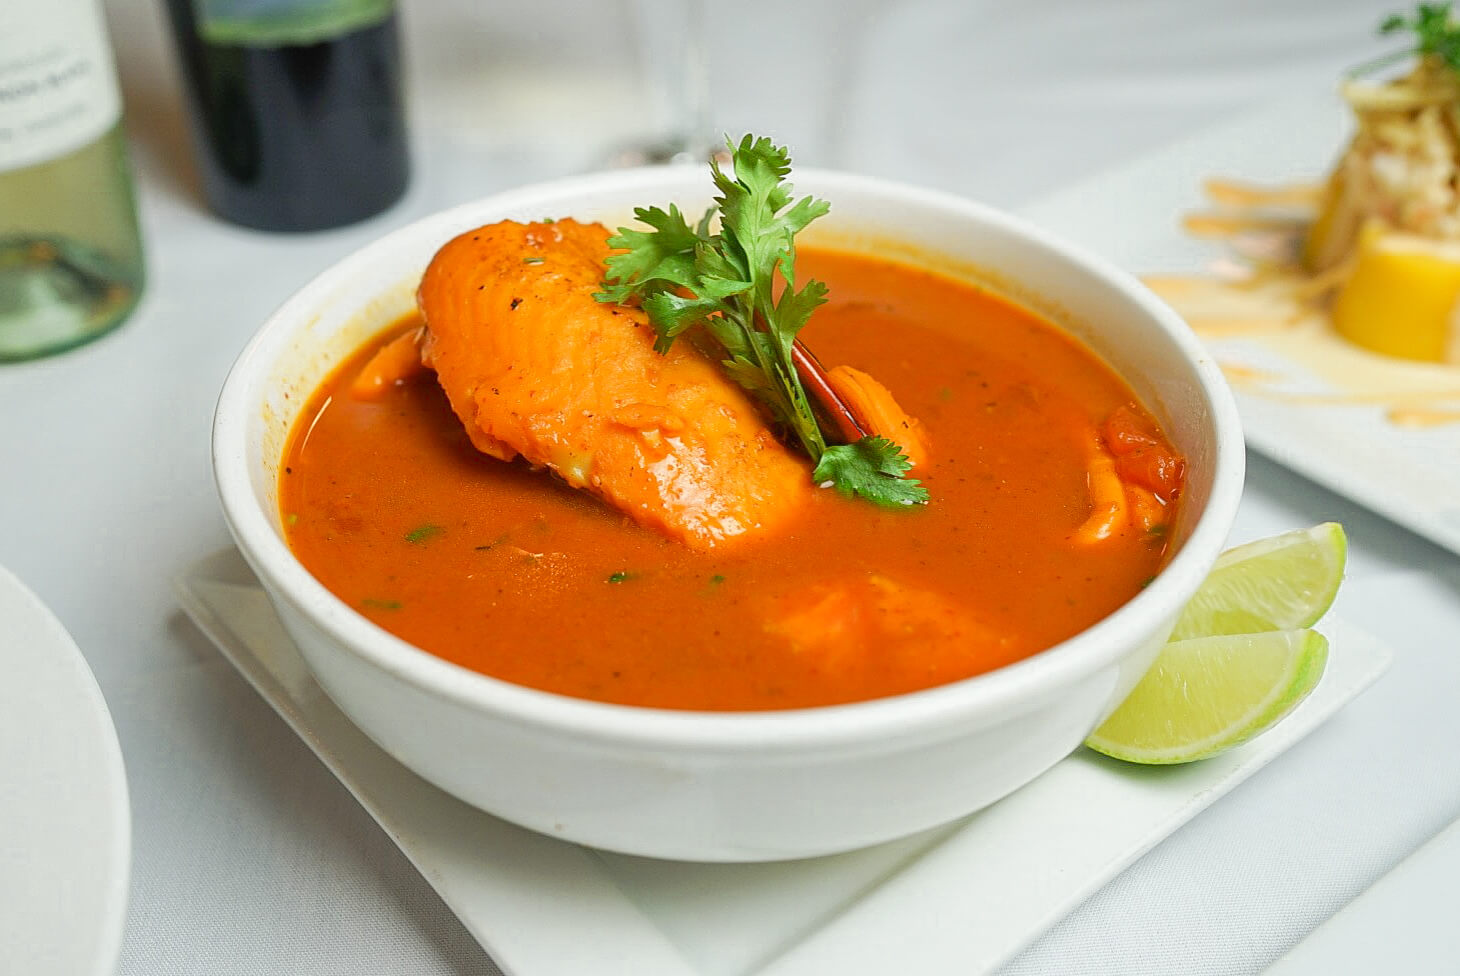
<point x="1357" y="278"/>
<point x="922" y="286"/>
<point x="449" y="506"/>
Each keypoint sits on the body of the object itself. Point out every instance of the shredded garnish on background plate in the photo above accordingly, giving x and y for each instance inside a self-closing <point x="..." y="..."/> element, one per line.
<point x="1401" y="169"/>
<point x="1375" y="251"/>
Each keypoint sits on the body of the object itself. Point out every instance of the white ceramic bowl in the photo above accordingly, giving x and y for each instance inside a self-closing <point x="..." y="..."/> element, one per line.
<point x="717" y="786"/>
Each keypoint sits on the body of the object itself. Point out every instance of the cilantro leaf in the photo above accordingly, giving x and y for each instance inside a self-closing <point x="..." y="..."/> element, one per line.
<point x="873" y="468"/>
<point x="748" y="375"/>
<point x="423" y="533"/>
<point x="652" y="260"/>
<point x="1435" y="35"/>
<point x="727" y="283"/>
<point x="673" y="314"/>
<point x="794" y="309"/>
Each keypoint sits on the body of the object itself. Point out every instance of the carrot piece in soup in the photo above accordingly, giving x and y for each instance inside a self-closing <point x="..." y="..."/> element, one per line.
<point x="395" y="362"/>
<point x="1108" y="512"/>
<point x="1133" y="474"/>
<point x="1147" y="512"/>
<point x="874" y="406"/>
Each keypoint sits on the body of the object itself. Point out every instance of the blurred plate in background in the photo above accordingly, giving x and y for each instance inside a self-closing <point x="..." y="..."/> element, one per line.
<point x="65" y="824"/>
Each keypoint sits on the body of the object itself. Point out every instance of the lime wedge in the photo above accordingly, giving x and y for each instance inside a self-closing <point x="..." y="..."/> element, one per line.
<point x="1241" y="656"/>
<point x="1285" y="582"/>
<point x="1207" y="694"/>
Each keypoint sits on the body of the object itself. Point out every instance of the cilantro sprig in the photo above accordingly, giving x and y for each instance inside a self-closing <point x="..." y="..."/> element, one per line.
<point x="1434" y="30"/>
<point x="686" y="277"/>
<point x="1435" y="35"/>
<point x="865" y="468"/>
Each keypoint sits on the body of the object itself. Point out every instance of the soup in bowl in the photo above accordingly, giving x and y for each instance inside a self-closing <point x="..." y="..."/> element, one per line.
<point x="613" y="673"/>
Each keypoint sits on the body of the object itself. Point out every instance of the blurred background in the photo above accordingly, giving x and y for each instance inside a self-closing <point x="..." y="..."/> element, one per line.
<point x="964" y="95"/>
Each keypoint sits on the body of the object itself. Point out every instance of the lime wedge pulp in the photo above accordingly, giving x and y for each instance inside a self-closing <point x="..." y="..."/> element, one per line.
<point x="1285" y="582"/>
<point x="1207" y="694"/>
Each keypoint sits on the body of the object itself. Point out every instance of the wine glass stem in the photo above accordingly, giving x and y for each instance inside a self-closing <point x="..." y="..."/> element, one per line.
<point x="674" y="60"/>
<point x="694" y="99"/>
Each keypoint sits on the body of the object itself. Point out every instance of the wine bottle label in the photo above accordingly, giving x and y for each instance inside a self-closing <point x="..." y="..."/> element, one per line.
<point x="281" y="23"/>
<point x="58" y="86"/>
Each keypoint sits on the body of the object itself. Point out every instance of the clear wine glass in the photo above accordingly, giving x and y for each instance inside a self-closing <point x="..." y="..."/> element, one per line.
<point x="679" y="84"/>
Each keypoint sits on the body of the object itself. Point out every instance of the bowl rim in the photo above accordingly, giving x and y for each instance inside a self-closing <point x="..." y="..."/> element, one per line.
<point x="968" y="702"/>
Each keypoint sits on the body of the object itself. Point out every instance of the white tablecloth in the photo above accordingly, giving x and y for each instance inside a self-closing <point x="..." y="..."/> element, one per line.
<point x="250" y="859"/>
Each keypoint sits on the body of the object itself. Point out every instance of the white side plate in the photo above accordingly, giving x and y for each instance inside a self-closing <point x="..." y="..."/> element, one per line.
<point x="65" y="825"/>
<point x="1131" y="215"/>
<point x="961" y="898"/>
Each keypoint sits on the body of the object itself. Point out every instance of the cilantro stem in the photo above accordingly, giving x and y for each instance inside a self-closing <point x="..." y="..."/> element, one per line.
<point x="731" y="281"/>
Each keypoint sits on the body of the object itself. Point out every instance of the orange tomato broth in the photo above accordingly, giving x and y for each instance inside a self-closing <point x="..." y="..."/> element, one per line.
<point x="508" y="572"/>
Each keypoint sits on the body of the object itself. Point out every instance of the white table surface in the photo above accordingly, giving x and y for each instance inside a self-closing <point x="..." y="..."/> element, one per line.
<point x="249" y="858"/>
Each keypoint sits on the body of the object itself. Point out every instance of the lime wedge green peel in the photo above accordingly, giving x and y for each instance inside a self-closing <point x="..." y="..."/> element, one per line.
<point x="1241" y="656"/>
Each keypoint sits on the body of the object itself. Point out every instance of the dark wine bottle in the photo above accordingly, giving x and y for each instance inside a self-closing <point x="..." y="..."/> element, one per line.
<point x="296" y="106"/>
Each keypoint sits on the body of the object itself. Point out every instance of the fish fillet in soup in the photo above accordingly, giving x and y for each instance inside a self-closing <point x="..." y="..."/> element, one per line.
<point x="534" y="366"/>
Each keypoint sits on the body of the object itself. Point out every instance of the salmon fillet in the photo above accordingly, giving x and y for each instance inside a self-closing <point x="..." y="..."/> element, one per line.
<point x="534" y="366"/>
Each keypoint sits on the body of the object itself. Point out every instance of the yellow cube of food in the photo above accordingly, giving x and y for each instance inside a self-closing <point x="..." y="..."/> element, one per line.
<point x="1400" y="299"/>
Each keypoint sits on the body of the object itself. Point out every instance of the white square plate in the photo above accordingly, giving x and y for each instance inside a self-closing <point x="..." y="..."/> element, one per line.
<point x="1132" y="216"/>
<point x="959" y="899"/>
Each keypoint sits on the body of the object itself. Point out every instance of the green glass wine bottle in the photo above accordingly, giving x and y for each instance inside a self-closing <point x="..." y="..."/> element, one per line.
<point x="71" y="264"/>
